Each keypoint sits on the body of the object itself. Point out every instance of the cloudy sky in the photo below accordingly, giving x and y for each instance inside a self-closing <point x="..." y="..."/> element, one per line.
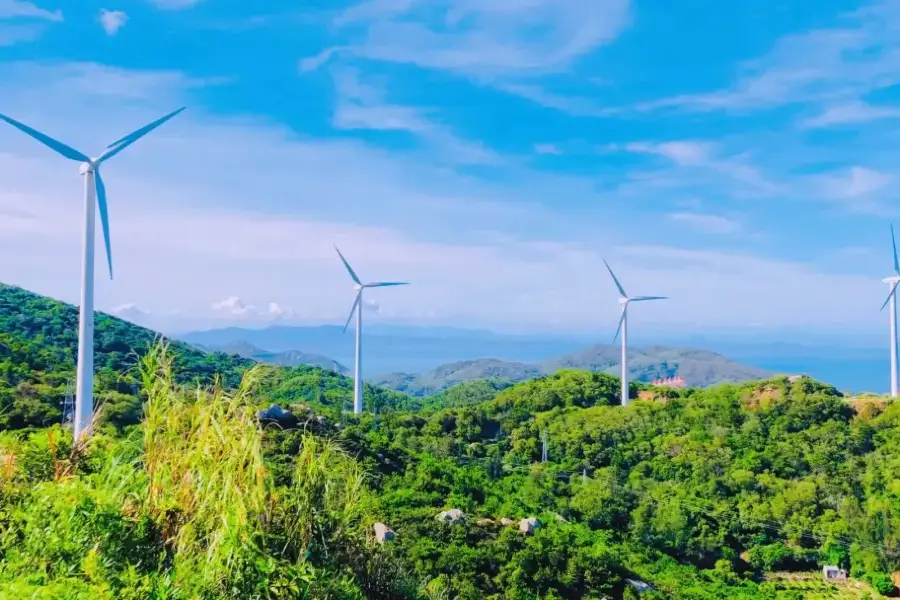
<point x="737" y="156"/>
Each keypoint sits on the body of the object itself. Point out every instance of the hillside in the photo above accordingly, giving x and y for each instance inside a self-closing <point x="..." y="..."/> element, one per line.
<point x="699" y="368"/>
<point x="736" y="492"/>
<point x="38" y="345"/>
<point x="286" y="358"/>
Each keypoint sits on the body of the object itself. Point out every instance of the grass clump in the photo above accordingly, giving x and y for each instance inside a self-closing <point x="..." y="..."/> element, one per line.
<point x="185" y="507"/>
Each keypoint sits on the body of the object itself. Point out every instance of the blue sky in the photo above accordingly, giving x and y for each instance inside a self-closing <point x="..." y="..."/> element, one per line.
<point x="739" y="157"/>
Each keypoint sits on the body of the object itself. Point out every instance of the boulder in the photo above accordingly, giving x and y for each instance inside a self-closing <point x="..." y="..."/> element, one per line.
<point x="383" y="533"/>
<point x="485" y="522"/>
<point x="278" y="415"/>
<point x="454" y="516"/>
<point x="527" y="526"/>
<point x="561" y="518"/>
<point x="507" y="522"/>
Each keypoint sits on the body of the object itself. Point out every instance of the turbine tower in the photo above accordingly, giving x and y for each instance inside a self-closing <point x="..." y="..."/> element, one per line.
<point x="892" y="298"/>
<point x="359" y="286"/>
<point x="624" y="300"/>
<point x="94" y="198"/>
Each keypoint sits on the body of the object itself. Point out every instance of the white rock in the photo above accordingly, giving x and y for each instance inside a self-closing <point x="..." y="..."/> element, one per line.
<point x="383" y="533"/>
<point x="527" y="526"/>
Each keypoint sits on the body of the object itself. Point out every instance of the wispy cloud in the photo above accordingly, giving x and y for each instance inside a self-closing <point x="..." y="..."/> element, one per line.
<point x="829" y="66"/>
<point x="705" y="156"/>
<point x="850" y="113"/>
<point x="22" y="9"/>
<point x="484" y="38"/>
<point x="363" y="106"/>
<point x="857" y="182"/>
<point x="706" y="222"/>
<point x="23" y="21"/>
<point x="509" y="45"/>
<point x="112" y="20"/>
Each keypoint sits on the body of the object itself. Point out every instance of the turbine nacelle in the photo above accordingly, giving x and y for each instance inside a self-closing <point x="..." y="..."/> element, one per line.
<point x="623" y="300"/>
<point x="85" y="168"/>
<point x="892" y="279"/>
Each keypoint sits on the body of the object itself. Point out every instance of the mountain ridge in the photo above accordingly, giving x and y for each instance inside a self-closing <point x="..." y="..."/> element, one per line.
<point x="700" y="368"/>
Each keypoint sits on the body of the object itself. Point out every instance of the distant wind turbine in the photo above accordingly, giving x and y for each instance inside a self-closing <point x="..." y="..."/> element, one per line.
<point x="357" y="306"/>
<point x="624" y="300"/>
<point x="892" y="298"/>
<point x="94" y="197"/>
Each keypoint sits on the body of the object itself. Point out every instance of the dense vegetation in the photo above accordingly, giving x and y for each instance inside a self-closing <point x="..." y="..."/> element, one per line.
<point x="701" y="494"/>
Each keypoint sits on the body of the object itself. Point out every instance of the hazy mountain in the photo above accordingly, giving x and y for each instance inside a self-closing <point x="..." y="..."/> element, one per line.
<point x="392" y="348"/>
<point x="287" y="358"/>
<point x="698" y="367"/>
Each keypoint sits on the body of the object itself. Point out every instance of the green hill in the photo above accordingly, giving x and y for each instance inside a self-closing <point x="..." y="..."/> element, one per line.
<point x="543" y="489"/>
<point x="38" y="348"/>
<point x="699" y="368"/>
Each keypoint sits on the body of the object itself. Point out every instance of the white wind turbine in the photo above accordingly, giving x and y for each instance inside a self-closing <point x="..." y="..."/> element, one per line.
<point x="892" y="298"/>
<point x="624" y="300"/>
<point x="359" y="286"/>
<point x="94" y="197"/>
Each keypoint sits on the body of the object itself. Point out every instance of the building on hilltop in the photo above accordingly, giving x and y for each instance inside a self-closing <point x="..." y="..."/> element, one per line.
<point x="672" y="382"/>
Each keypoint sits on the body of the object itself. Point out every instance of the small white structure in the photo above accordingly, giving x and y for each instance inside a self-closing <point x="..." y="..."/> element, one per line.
<point x="527" y="526"/>
<point x="383" y="533"/>
<point x="454" y="516"/>
<point x="833" y="573"/>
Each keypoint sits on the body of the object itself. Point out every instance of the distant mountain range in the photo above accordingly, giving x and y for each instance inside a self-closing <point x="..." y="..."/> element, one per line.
<point x="390" y="349"/>
<point x="288" y="358"/>
<point x="699" y="368"/>
<point x="393" y="349"/>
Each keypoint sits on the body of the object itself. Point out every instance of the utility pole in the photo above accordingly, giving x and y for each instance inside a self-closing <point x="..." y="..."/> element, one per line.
<point x="583" y="475"/>
<point x="68" y="408"/>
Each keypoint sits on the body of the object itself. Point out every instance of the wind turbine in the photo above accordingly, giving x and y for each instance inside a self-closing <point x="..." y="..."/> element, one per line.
<point x="359" y="286"/>
<point x="624" y="300"/>
<point x="94" y="197"/>
<point x="892" y="298"/>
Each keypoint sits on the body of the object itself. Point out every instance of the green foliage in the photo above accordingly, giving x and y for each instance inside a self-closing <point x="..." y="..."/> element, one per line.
<point x="702" y="494"/>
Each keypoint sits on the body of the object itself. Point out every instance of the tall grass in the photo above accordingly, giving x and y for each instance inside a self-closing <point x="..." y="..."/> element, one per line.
<point x="184" y="507"/>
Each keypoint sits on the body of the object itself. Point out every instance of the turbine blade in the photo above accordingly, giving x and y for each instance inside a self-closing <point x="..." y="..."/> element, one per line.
<point x="891" y="293"/>
<point x="618" y="285"/>
<point x="135" y="135"/>
<point x="619" y="328"/>
<point x="352" y="310"/>
<point x="349" y="268"/>
<point x="104" y="216"/>
<point x="640" y="298"/>
<point x="386" y="283"/>
<point x="894" y="245"/>
<point x="56" y="145"/>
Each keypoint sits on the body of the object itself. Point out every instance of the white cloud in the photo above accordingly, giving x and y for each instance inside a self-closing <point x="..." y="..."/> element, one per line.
<point x="232" y="305"/>
<point x="213" y="207"/>
<point x="706" y="222"/>
<point x="12" y="9"/>
<point x="484" y="38"/>
<point x="22" y="21"/>
<point x="851" y="113"/>
<point x="707" y="157"/>
<point x="363" y="106"/>
<point x="831" y="66"/>
<point x="856" y="182"/>
<point x="112" y="20"/>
